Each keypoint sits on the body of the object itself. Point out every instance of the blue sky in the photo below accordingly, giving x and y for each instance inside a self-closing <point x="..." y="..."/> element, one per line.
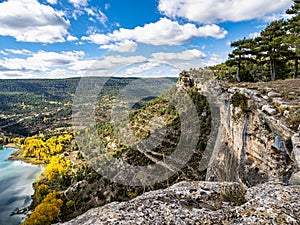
<point x="71" y="38"/>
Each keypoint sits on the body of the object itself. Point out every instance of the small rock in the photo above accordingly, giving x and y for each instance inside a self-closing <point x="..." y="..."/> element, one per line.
<point x="232" y="90"/>
<point x="204" y="114"/>
<point x="265" y="97"/>
<point x="286" y="113"/>
<point x="295" y="179"/>
<point x="273" y="94"/>
<point x="269" y="109"/>
<point x="296" y="148"/>
<point x="284" y="106"/>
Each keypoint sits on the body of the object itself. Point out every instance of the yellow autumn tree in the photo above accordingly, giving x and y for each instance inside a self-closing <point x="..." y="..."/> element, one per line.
<point x="58" y="166"/>
<point x="41" y="149"/>
<point x="46" y="212"/>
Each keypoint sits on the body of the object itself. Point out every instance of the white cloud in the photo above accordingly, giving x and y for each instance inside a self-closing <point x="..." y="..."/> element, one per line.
<point x="215" y="59"/>
<point x="18" y="51"/>
<point x="107" y="6"/>
<point x="100" y="39"/>
<point x="78" y="3"/>
<point x="138" y="69"/>
<point x="276" y="16"/>
<point x="30" y="21"/>
<point x="212" y="11"/>
<point x="108" y="63"/>
<point x="179" y="56"/>
<point x="53" y="2"/>
<point x="254" y="34"/>
<point x="3" y="52"/>
<point x="163" y="32"/>
<point x="96" y="15"/>
<point x="125" y="46"/>
<point x="41" y="61"/>
<point x="71" y="38"/>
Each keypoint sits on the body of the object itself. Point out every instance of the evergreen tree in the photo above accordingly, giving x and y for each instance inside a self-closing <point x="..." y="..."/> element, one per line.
<point x="293" y="34"/>
<point x="244" y="51"/>
<point x="271" y="45"/>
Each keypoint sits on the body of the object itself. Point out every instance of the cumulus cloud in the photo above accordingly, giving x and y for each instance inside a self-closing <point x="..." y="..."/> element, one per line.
<point x="212" y="11"/>
<point x="175" y="56"/>
<point x="125" y="46"/>
<point x="41" y="61"/>
<point x="71" y="38"/>
<point x="162" y="32"/>
<point x="18" y="51"/>
<point x="30" y="21"/>
<point x="63" y="64"/>
<point x="141" y="68"/>
<point x="108" y="63"/>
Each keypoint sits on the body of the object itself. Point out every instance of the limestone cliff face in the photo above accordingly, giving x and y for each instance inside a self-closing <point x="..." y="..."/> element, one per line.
<point x="258" y="131"/>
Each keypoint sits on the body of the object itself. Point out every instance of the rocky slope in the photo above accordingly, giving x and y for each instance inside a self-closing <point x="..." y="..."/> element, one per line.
<point x="203" y="203"/>
<point x="252" y="160"/>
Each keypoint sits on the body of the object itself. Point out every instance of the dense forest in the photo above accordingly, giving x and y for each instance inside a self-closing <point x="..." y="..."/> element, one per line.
<point x="272" y="55"/>
<point x="32" y="106"/>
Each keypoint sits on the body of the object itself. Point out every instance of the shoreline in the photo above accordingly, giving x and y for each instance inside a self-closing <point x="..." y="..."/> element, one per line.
<point x="11" y="145"/>
<point x="17" y="187"/>
<point x="16" y="156"/>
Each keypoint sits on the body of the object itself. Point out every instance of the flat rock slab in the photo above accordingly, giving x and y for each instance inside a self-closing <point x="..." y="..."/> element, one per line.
<point x="203" y="203"/>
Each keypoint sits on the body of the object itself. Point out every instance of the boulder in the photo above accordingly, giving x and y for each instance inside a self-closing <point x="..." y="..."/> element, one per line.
<point x="295" y="179"/>
<point x="269" y="109"/>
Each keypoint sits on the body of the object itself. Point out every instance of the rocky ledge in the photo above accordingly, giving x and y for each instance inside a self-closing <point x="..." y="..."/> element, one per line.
<point x="203" y="203"/>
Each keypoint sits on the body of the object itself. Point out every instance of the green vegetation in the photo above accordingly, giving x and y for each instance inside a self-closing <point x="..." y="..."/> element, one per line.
<point x="46" y="212"/>
<point x="32" y="106"/>
<point x="239" y="100"/>
<point x="42" y="148"/>
<point x="234" y="195"/>
<point x="67" y="172"/>
<point x="274" y="54"/>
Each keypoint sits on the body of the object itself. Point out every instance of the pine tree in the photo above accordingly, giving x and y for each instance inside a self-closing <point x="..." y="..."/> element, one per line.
<point x="244" y="51"/>
<point x="293" y="33"/>
<point x="270" y="45"/>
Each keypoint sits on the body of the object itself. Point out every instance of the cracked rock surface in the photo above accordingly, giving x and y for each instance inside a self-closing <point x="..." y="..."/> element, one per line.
<point x="203" y="203"/>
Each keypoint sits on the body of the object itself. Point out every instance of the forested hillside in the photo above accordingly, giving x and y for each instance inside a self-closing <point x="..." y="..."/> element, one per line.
<point x="32" y="106"/>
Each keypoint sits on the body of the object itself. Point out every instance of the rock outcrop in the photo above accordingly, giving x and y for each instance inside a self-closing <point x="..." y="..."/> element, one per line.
<point x="203" y="203"/>
<point x="257" y="143"/>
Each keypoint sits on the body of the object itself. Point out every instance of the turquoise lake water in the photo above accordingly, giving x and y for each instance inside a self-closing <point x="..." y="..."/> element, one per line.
<point x="16" y="180"/>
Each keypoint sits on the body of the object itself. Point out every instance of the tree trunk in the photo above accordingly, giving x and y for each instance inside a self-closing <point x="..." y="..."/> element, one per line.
<point x="237" y="76"/>
<point x="272" y="69"/>
<point x="296" y="68"/>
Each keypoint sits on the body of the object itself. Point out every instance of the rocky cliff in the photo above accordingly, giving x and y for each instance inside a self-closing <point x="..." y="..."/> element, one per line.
<point x="258" y="132"/>
<point x="252" y="160"/>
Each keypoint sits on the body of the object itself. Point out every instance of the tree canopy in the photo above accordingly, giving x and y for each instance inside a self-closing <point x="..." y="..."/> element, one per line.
<point x="274" y="54"/>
